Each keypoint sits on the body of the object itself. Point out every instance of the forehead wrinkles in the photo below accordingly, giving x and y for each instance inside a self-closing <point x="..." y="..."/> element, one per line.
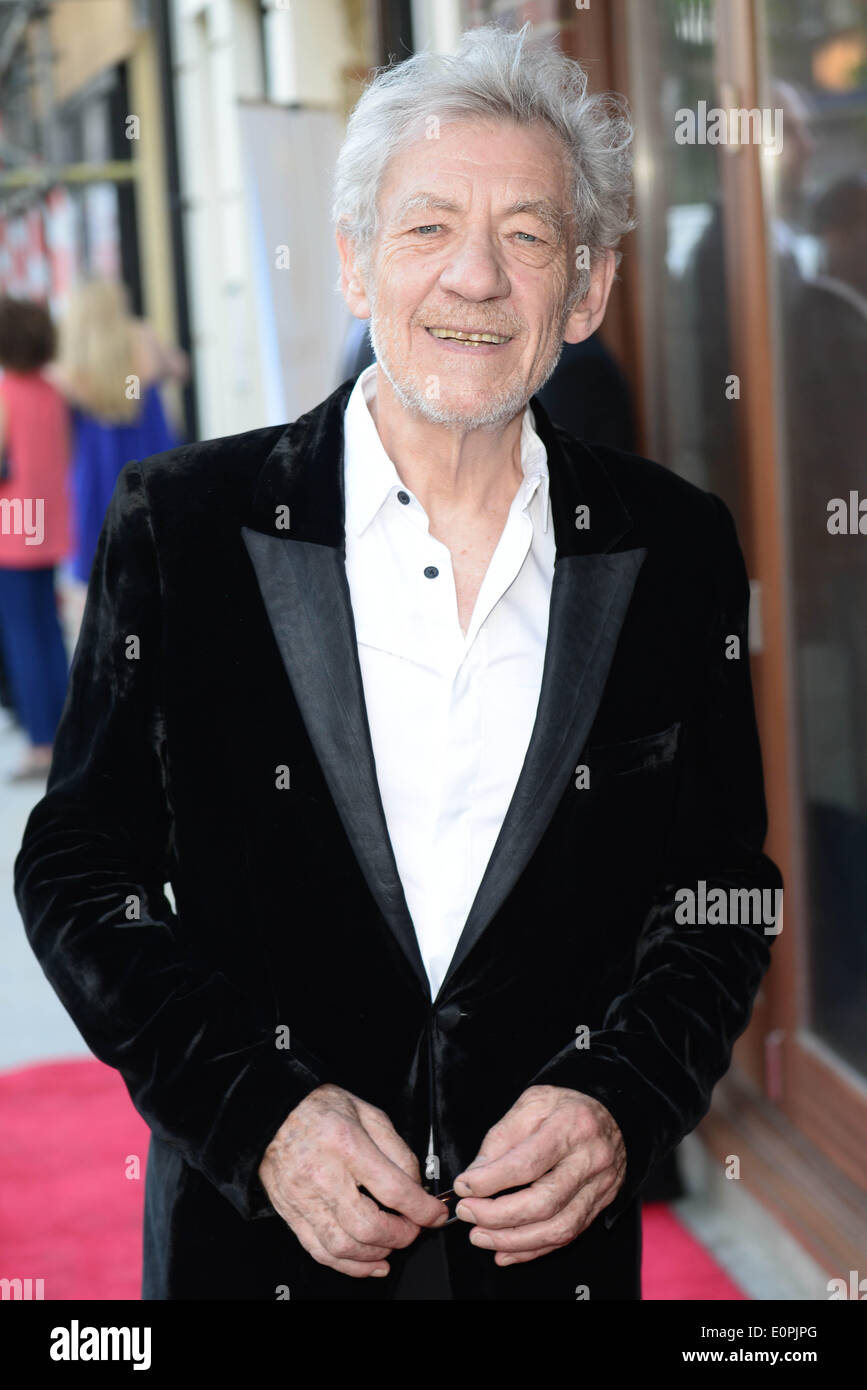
<point x="548" y="210"/>
<point x="464" y="175"/>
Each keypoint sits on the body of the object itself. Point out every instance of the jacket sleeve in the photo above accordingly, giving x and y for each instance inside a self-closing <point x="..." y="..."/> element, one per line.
<point x="199" y="1061"/>
<point x="667" y="1040"/>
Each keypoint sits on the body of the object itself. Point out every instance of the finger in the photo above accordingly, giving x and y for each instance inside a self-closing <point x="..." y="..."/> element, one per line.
<point x="539" y="1202"/>
<point x="522" y="1256"/>
<point x="530" y="1159"/>
<point x="343" y="1246"/>
<point x="560" y="1230"/>
<point x="389" y="1184"/>
<point x="545" y="1196"/>
<point x="337" y="1210"/>
<point x="386" y="1138"/>
<point x="304" y="1201"/>
<point x="360" y="1217"/>
<point x="356" y="1269"/>
<point x="517" y="1123"/>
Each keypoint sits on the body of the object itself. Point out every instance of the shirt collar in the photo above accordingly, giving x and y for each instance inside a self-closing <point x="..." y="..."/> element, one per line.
<point x="534" y="461"/>
<point x="371" y="476"/>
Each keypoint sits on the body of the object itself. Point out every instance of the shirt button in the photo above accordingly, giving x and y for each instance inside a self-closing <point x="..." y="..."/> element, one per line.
<point x="431" y="572"/>
<point x="403" y="497"/>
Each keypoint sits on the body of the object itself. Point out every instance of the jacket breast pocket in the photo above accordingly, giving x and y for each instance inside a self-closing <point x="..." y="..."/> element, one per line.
<point x="651" y="753"/>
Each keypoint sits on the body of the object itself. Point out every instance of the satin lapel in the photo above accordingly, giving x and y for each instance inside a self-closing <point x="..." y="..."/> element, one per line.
<point x="306" y="596"/>
<point x="589" y="599"/>
<point x="302" y="579"/>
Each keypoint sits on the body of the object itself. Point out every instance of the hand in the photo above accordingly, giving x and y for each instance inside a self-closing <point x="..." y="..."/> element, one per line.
<point x="331" y="1143"/>
<point x="568" y="1147"/>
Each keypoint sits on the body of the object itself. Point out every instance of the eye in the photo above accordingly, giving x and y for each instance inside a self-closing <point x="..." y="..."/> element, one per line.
<point x="528" y="236"/>
<point x="428" y="227"/>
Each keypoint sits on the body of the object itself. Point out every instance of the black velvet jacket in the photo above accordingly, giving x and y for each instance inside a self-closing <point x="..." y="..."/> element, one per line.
<point x="289" y="912"/>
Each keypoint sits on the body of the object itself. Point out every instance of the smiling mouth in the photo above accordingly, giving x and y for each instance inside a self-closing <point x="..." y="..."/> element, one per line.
<point x="462" y="337"/>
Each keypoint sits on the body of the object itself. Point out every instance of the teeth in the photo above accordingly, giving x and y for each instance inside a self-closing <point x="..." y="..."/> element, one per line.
<point x="467" y="337"/>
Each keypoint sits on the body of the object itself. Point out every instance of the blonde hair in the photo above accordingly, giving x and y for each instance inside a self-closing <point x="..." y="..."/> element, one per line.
<point x="98" y="352"/>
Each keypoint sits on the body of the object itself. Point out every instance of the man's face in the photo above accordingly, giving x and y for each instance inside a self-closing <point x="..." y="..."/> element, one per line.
<point x="475" y="236"/>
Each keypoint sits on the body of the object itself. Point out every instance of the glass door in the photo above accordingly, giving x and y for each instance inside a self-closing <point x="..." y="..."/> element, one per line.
<point x="813" y="68"/>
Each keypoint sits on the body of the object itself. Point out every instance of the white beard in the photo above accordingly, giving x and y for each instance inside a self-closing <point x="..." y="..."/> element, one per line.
<point x="497" y="411"/>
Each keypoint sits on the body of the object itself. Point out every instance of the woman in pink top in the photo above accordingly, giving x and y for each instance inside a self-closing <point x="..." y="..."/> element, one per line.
<point x="34" y="526"/>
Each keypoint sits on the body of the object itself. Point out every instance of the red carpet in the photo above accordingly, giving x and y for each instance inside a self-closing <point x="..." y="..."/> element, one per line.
<point x="675" y="1267"/>
<point x="70" y="1215"/>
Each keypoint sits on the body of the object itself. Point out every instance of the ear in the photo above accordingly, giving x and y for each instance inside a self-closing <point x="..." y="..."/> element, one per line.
<point x="586" y="317"/>
<point x="351" y="281"/>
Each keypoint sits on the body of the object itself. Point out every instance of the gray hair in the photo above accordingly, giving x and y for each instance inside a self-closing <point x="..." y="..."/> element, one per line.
<point x="493" y="73"/>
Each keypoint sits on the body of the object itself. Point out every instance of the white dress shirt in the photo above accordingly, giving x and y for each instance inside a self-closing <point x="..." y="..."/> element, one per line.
<point x="450" y="715"/>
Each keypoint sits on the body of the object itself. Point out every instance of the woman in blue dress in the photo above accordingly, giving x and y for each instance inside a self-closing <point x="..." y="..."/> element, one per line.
<point x="110" y="366"/>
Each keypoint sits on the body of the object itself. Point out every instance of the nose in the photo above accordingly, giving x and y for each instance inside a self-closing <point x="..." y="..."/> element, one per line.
<point x="474" y="269"/>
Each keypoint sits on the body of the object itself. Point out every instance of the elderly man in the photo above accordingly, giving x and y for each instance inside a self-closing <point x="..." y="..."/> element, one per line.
<point x="433" y="717"/>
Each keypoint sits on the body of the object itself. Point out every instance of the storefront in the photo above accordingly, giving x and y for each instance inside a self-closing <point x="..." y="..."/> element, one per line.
<point x="86" y="159"/>
<point x="741" y="322"/>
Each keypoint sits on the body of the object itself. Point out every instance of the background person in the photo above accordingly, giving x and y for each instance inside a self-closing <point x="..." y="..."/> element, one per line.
<point x="110" y="367"/>
<point x="34" y="463"/>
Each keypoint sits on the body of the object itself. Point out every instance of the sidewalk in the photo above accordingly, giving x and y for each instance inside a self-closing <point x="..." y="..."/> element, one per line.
<point x="35" y="1026"/>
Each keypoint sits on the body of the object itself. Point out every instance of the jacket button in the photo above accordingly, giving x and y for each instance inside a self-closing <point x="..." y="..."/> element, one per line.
<point x="449" y="1017"/>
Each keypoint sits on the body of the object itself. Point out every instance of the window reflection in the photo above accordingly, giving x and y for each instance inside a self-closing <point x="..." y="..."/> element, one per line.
<point x="816" y="63"/>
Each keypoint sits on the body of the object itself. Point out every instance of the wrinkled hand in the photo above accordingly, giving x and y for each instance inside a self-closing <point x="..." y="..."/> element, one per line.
<point x="568" y="1147"/>
<point x="328" y="1146"/>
